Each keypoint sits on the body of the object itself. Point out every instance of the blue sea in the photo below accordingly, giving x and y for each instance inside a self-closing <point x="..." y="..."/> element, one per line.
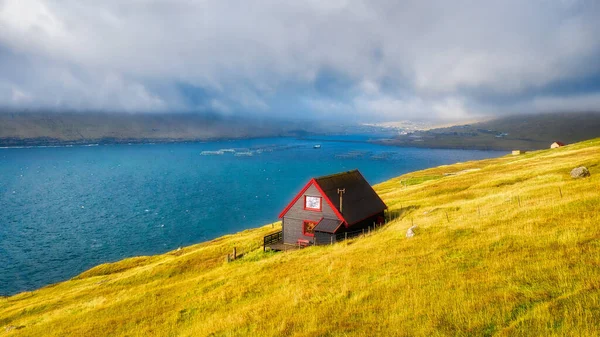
<point x="64" y="210"/>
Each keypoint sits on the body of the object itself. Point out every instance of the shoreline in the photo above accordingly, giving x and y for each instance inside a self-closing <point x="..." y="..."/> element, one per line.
<point x="37" y="143"/>
<point x="390" y="142"/>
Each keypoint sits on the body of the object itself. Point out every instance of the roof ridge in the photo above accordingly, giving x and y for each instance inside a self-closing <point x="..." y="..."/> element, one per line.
<point x="336" y="174"/>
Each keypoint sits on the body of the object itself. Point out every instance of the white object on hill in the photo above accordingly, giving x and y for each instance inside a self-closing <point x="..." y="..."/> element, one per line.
<point x="411" y="231"/>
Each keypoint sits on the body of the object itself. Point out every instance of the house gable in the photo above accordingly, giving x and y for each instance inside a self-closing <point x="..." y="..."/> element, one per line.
<point x="296" y="216"/>
<point x="312" y="189"/>
<point x="314" y="213"/>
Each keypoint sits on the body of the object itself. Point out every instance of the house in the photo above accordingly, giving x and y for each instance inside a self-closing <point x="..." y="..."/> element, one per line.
<point x="331" y="208"/>
<point x="517" y="152"/>
<point x="557" y="145"/>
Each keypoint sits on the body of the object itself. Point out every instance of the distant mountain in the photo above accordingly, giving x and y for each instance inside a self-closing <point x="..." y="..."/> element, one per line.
<point x="45" y="128"/>
<point x="524" y="132"/>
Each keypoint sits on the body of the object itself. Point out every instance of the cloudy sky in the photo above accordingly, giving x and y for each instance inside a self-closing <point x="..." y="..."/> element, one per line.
<point x="361" y="60"/>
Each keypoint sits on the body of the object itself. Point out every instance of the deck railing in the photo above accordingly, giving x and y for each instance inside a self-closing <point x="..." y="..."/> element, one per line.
<point x="278" y="236"/>
<point x="272" y="238"/>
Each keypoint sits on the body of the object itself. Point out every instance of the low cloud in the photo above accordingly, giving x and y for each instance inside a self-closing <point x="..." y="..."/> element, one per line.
<point x="363" y="60"/>
<point x="585" y="103"/>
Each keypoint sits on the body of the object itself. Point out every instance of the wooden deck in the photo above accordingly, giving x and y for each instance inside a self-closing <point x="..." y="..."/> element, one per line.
<point x="274" y="241"/>
<point x="282" y="247"/>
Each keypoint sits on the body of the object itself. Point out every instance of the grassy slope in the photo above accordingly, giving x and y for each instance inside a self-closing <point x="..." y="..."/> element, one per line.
<point x="498" y="252"/>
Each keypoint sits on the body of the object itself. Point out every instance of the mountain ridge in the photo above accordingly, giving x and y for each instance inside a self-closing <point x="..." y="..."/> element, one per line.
<point x="71" y="128"/>
<point x="523" y="132"/>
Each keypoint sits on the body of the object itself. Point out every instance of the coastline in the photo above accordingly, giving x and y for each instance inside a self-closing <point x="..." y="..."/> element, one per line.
<point x="8" y="143"/>
<point x="443" y="146"/>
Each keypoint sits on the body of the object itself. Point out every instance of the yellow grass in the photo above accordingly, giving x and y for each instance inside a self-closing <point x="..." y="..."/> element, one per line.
<point x="498" y="252"/>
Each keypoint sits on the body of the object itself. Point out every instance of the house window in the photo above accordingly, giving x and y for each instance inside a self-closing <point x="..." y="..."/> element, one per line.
<point x="308" y="228"/>
<point x="312" y="203"/>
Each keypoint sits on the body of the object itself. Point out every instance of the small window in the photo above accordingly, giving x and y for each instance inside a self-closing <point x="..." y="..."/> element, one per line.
<point x="308" y="228"/>
<point x="312" y="203"/>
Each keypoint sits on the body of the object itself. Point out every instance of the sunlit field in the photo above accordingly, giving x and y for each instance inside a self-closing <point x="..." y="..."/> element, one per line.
<point x="507" y="246"/>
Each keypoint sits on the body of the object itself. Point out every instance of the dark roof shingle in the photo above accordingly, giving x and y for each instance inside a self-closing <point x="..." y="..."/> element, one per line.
<point x="328" y="225"/>
<point x="359" y="201"/>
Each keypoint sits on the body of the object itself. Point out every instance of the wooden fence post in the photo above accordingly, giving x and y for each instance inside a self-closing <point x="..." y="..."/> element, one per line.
<point x="234" y="253"/>
<point x="345" y="235"/>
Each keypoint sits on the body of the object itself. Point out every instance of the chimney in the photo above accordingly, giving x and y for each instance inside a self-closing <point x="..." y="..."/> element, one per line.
<point x="341" y="192"/>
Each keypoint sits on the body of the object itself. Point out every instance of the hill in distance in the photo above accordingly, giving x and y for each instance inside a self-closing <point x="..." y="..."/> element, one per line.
<point x="61" y="128"/>
<point x="522" y="132"/>
<point x="505" y="247"/>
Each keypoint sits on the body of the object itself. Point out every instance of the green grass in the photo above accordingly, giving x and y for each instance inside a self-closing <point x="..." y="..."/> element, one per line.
<point x="498" y="252"/>
<point x="410" y="181"/>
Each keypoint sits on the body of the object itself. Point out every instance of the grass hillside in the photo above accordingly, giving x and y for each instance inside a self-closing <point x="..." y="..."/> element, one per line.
<point x="498" y="251"/>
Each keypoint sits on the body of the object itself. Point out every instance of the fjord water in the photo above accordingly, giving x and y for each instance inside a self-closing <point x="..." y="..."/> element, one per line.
<point x="66" y="209"/>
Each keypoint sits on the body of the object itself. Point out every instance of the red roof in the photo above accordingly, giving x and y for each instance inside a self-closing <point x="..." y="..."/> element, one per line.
<point x="560" y="143"/>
